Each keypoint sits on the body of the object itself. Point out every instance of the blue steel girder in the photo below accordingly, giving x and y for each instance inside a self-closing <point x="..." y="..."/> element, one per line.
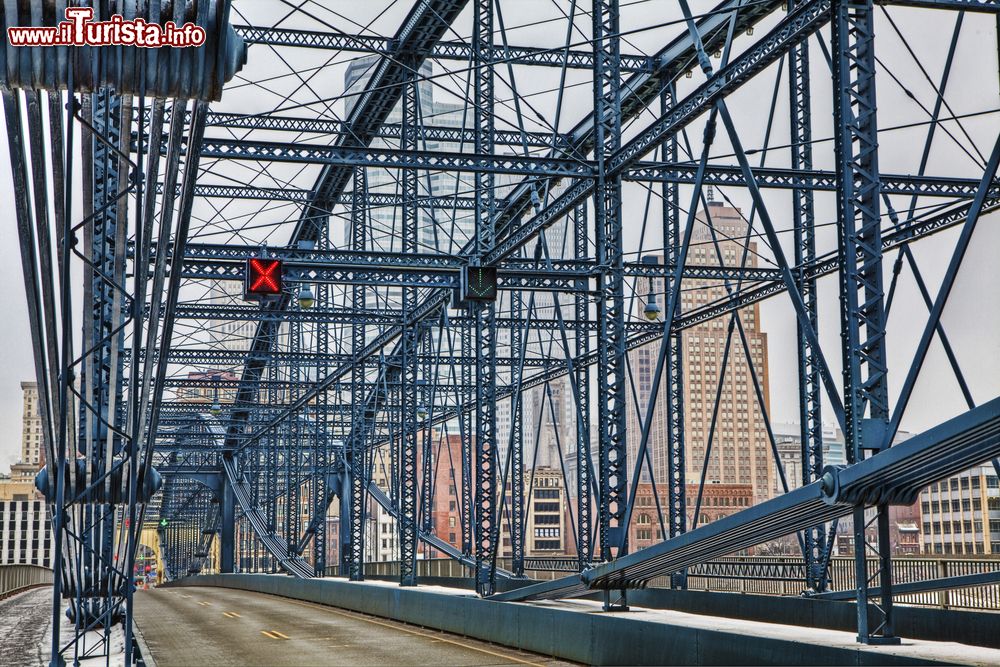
<point x="353" y="554"/>
<point x="861" y="293"/>
<point x="584" y="459"/>
<point x="611" y="364"/>
<point x="331" y="128"/>
<point x="810" y="387"/>
<point x="391" y="158"/>
<point x="487" y="515"/>
<point x="716" y="174"/>
<point x="410" y="351"/>
<point x="444" y="50"/>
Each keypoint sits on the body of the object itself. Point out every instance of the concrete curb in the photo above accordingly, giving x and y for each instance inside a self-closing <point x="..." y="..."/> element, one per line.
<point x="145" y="656"/>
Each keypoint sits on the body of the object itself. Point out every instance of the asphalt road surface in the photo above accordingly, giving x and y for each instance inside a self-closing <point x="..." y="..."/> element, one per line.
<point x="206" y="627"/>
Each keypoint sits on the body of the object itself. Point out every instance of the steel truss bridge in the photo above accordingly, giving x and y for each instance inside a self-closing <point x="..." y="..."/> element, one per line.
<point x="384" y="156"/>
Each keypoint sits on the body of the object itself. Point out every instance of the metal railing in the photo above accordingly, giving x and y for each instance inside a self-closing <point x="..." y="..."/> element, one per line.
<point x="765" y="575"/>
<point x="785" y="575"/>
<point x="14" y="578"/>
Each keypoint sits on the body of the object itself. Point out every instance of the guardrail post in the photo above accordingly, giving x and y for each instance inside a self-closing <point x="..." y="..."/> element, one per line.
<point x="942" y="572"/>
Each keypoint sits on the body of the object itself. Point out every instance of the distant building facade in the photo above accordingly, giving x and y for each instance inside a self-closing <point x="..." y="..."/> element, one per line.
<point x="718" y="501"/>
<point x="960" y="515"/>
<point x="25" y="533"/>
<point x="788" y="438"/>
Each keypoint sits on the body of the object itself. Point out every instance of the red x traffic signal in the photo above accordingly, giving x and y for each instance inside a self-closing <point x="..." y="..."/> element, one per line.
<point x="262" y="278"/>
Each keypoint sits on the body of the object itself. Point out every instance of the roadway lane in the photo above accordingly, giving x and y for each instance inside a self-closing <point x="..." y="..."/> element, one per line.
<point x="218" y="626"/>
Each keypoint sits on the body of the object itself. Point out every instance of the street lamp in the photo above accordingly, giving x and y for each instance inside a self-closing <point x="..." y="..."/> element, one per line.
<point x="651" y="311"/>
<point x="216" y="408"/>
<point x="306" y="298"/>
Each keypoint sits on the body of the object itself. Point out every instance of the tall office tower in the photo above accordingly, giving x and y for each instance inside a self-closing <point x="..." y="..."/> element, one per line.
<point x="32" y="446"/>
<point x="549" y="424"/>
<point x="385" y="223"/>
<point x="740" y="452"/>
<point x="229" y="334"/>
<point x="549" y="412"/>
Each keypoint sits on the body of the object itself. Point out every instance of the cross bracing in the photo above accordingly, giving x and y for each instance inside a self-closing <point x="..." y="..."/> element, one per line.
<point x="654" y="196"/>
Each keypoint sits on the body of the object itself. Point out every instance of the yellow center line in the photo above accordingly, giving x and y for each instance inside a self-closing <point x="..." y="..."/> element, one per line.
<point x="205" y="604"/>
<point x="414" y="632"/>
<point x="283" y="636"/>
<point x="265" y="632"/>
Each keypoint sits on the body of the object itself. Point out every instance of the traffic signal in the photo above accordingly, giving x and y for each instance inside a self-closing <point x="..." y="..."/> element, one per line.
<point x="479" y="283"/>
<point x="262" y="278"/>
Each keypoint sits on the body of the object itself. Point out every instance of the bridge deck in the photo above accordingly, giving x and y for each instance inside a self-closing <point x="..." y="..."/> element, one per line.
<point x="25" y="627"/>
<point x="217" y="626"/>
<point x="579" y="631"/>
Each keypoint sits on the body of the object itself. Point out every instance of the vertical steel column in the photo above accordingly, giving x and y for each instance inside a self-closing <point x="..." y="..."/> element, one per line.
<point x="411" y="342"/>
<point x="584" y="461"/>
<point x="270" y="444"/>
<point x="102" y="366"/>
<point x="426" y="344"/>
<point x="804" y="219"/>
<point x="465" y="430"/>
<point x="321" y="452"/>
<point x="293" y="450"/>
<point x="353" y="553"/>
<point x="485" y="313"/>
<point x="611" y="366"/>
<point x="674" y="362"/>
<point x="862" y="302"/>
<point x="227" y="533"/>
<point x="517" y="334"/>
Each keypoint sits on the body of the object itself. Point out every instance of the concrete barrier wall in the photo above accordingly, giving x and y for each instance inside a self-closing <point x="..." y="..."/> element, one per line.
<point x="15" y="578"/>
<point x="598" y="639"/>
<point x="965" y="627"/>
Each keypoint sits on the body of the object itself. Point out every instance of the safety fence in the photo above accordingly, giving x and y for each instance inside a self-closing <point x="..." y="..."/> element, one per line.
<point x="776" y="575"/>
<point x="766" y="575"/>
<point x="14" y="578"/>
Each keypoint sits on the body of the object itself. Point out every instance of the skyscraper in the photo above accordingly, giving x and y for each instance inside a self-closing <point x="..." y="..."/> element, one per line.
<point x="31" y="426"/>
<point x="740" y="453"/>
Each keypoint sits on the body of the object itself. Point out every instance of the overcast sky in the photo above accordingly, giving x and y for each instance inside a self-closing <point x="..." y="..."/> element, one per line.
<point x="972" y="318"/>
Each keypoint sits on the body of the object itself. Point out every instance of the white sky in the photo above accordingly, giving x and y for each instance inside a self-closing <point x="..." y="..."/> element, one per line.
<point x="972" y="318"/>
